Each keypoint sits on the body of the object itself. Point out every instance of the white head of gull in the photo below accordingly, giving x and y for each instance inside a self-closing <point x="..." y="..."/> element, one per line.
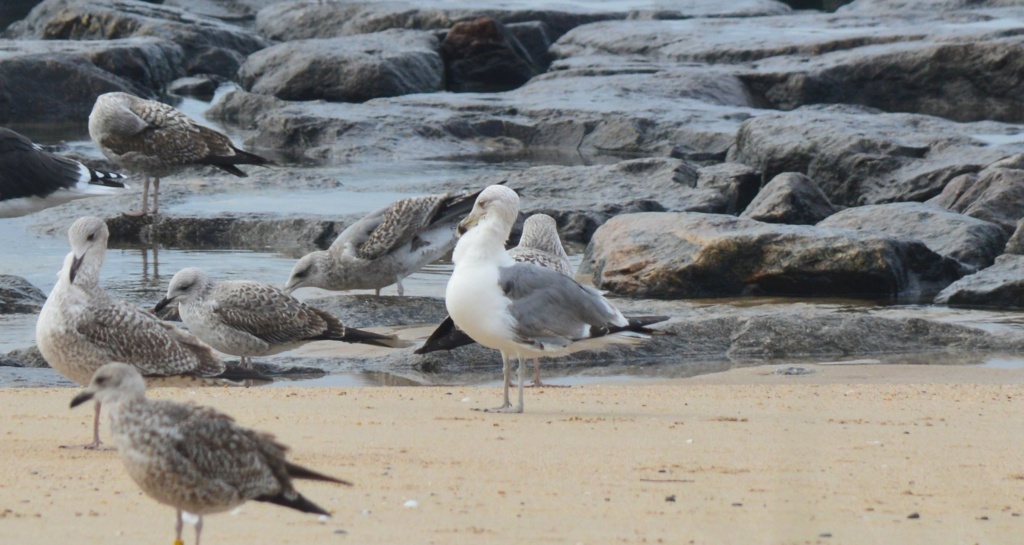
<point x="519" y="308"/>
<point x="193" y="458"/>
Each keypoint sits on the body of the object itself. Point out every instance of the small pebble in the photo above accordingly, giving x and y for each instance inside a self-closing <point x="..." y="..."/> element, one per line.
<point x="914" y="516"/>
<point x="671" y="497"/>
<point x="411" y="504"/>
<point x="466" y="400"/>
<point x="340" y="532"/>
<point x="793" y="371"/>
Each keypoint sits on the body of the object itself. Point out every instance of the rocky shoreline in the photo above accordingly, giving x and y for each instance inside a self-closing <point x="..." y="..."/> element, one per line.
<point x="698" y="149"/>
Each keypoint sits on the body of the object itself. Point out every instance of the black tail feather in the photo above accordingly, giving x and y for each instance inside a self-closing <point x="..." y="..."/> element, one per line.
<point x="108" y="179"/>
<point x="445" y="337"/>
<point x="299" y="472"/>
<point x="639" y="324"/>
<point x="299" y="503"/>
<point x="353" y="335"/>
<point x="241" y="157"/>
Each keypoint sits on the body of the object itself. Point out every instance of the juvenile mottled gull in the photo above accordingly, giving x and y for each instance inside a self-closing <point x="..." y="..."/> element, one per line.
<point x="157" y="140"/>
<point x="540" y="245"/>
<point x="385" y="246"/>
<point x="246" y="318"/>
<point x="81" y="327"/>
<point x="519" y="308"/>
<point x="32" y="178"/>
<point x="193" y="458"/>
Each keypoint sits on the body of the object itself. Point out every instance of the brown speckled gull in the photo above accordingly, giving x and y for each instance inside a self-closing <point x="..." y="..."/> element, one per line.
<point x="246" y="318"/>
<point x="193" y="458"/>
<point x="385" y="246"/>
<point x="81" y="327"/>
<point x="157" y="140"/>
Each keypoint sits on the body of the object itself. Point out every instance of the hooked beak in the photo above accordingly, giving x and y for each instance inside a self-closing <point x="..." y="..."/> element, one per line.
<point x="467" y="224"/>
<point x="81" y="398"/>
<point x="163" y="303"/>
<point x="289" y="288"/>
<point x="75" y="264"/>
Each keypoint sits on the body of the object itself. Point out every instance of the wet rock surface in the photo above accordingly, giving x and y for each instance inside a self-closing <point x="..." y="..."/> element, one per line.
<point x="702" y="255"/>
<point x="791" y="198"/>
<point x="18" y="296"/>
<point x="998" y="286"/>
<point x="643" y="128"/>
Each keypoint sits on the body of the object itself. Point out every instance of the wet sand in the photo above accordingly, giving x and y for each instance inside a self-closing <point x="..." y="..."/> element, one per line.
<point x="850" y="454"/>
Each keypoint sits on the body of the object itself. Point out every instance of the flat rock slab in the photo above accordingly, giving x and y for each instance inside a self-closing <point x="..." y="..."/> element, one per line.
<point x="210" y="45"/>
<point x="347" y="69"/>
<point x="859" y="156"/>
<point x="968" y="240"/>
<point x="685" y="255"/>
<point x="999" y="286"/>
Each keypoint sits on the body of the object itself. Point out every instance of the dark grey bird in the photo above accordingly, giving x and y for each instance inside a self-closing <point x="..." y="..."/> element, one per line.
<point x="246" y="318"/>
<point x="154" y="139"/>
<point x="193" y="458"/>
<point x="32" y="178"/>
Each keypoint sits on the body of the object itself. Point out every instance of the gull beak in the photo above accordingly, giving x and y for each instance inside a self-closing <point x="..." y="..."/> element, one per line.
<point x="467" y="224"/>
<point x="289" y="287"/>
<point x="82" y="397"/>
<point x="163" y="303"/>
<point x="75" y="264"/>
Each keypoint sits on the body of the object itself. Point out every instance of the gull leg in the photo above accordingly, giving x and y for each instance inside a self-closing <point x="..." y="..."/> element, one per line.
<point x="536" y="377"/>
<point x="401" y="290"/>
<point x="377" y="292"/>
<point x="156" y="195"/>
<point x="145" y="199"/>
<point x="96" y="443"/>
<point x="199" y="528"/>
<point x="522" y="374"/>
<point x="506" y="369"/>
<point x="177" y="530"/>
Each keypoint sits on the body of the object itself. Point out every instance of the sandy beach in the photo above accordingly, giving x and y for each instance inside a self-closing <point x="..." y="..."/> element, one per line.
<point x="850" y="454"/>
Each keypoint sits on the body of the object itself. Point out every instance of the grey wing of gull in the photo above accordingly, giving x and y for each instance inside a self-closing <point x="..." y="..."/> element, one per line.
<point x="399" y="222"/>
<point x="169" y="135"/>
<point x="266" y="312"/>
<point x="552" y="308"/>
<point x="217" y="451"/>
<point x="542" y="259"/>
<point x="155" y="347"/>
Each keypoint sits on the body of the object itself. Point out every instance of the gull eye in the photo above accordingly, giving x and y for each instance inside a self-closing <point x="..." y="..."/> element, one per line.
<point x="100" y="381"/>
<point x="91" y="237"/>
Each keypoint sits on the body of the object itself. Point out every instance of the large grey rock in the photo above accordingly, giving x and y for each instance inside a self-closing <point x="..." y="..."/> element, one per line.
<point x="296" y="234"/>
<point x="317" y="19"/>
<point x="995" y="195"/>
<point x="348" y="69"/>
<point x="364" y="311"/>
<point x="684" y="112"/>
<point x="19" y="296"/>
<point x="999" y="286"/>
<point x="27" y="357"/>
<point x="966" y="239"/>
<point x="52" y="88"/>
<point x="791" y="198"/>
<point x="485" y="56"/>
<point x="703" y="255"/>
<point x="737" y="182"/>
<point x="859" y="156"/>
<point x="1016" y="243"/>
<point x="210" y="45"/>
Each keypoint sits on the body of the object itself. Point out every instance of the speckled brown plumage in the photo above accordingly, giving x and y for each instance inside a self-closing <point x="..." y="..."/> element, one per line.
<point x="193" y="458"/>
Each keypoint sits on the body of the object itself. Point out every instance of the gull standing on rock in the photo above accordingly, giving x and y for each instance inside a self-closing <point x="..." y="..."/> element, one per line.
<point x="193" y="458"/>
<point x="385" y="246"/>
<point x="157" y="140"/>
<point x="32" y="178"/>
<point x="245" y="318"/>
<point x="540" y="245"/>
<point x="519" y="308"/>
<point x="81" y="327"/>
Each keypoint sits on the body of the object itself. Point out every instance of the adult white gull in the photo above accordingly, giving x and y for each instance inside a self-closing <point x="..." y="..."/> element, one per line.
<point x="32" y="178"/>
<point x="520" y="309"/>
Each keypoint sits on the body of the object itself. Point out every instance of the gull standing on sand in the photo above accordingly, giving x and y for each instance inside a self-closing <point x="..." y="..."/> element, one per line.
<point x="245" y="318"/>
<point x="193" y="458"/>
<point x="540" y="245"/>
<point x="519" y="308"/>
<point x="157" y="140"/>
<point x="385" y="246"/>
<point x="32" y="178"/>
<point x="81" y="327"/>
